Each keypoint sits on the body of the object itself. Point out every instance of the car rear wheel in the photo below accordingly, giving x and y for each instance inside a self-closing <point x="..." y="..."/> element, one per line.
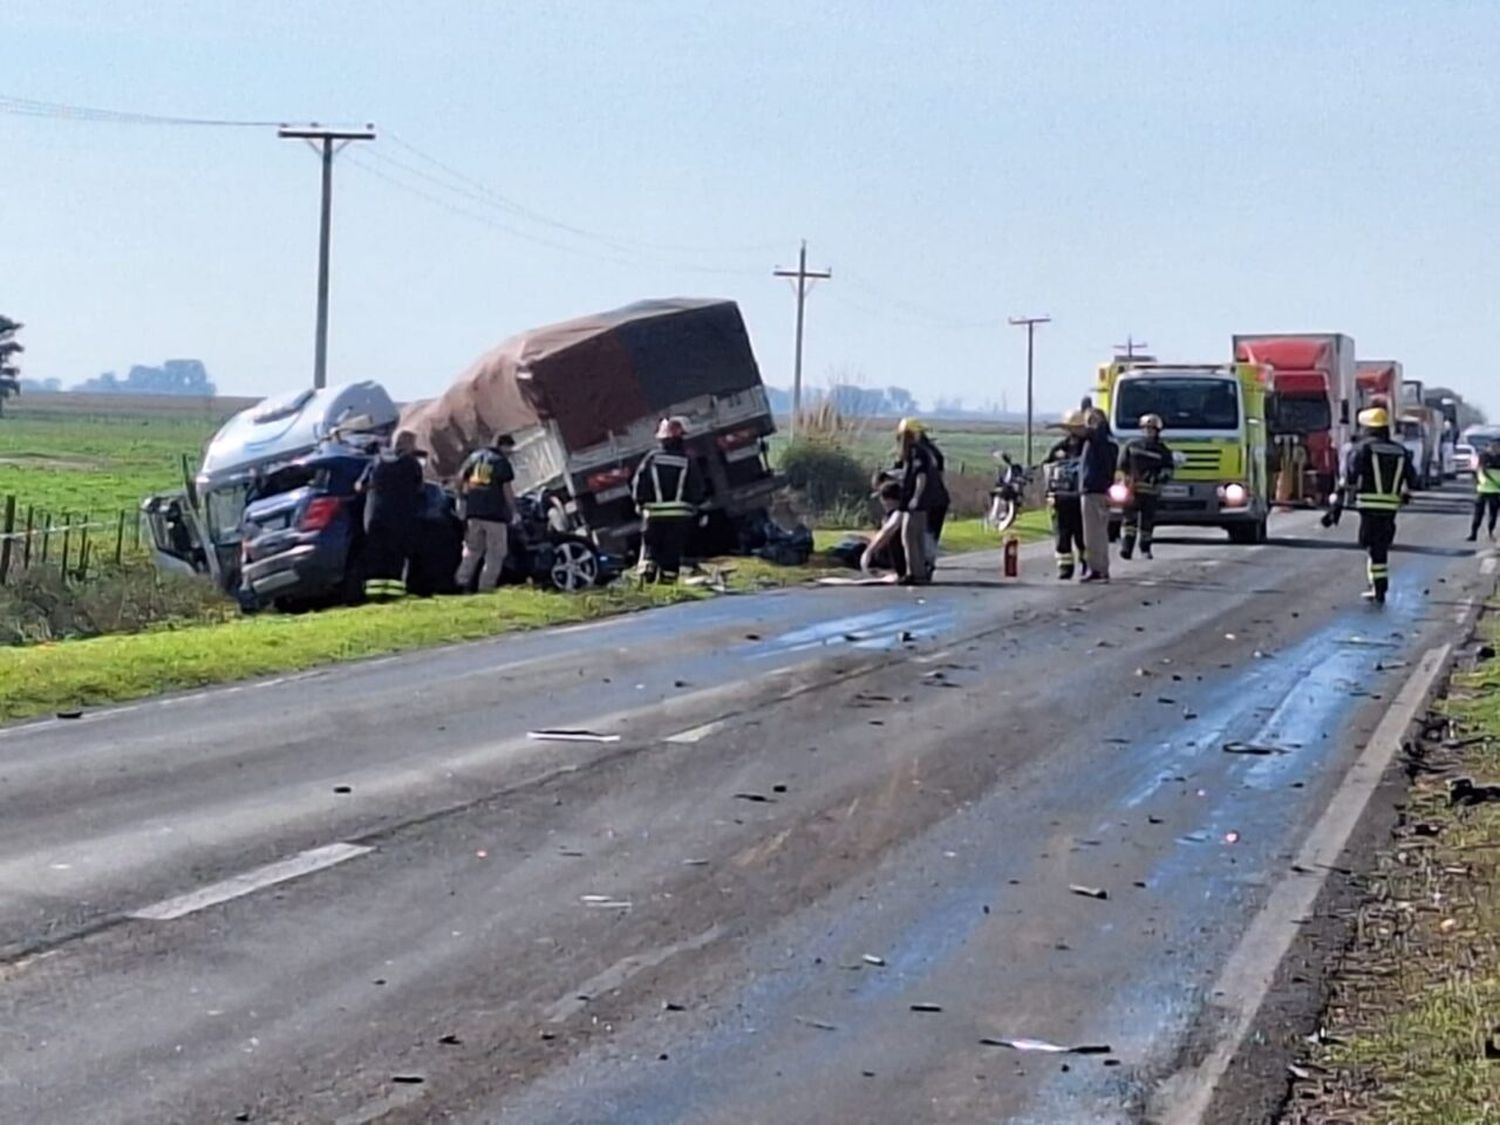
<point x="575" y="566"/>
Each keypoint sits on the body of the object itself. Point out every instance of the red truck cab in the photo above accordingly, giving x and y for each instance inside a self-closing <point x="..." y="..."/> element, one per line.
<point x="1307" y="407"/>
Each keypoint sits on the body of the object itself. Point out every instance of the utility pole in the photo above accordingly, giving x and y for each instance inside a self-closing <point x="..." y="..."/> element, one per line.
<point x="327" y="143"/>
<point x="1030" y="322"/>
<point x="803" y="276"/>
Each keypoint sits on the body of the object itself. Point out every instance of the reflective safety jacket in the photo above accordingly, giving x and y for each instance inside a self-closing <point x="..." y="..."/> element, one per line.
<point x="667" y="485"/>
<point x="1487" y="474"/>
<point x="1147" y="464"/>
<point x="1061" y="469"/>
<point x="1380" y="474"/>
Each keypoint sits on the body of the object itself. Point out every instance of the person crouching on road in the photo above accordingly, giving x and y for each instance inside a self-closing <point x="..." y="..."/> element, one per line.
<point x="1379" y="474"/>
<point x="1098" y="460"/>
<point x="392" y="488"/>
<point x="488" y="502"/>
<point x="1146" y="464"/>
<point x="922" y="492"/>
<point x="1486" y="490"/>
<point x="884" y="552"/>
<point x="668" y="490"/>
<point x="1061" y="473"/>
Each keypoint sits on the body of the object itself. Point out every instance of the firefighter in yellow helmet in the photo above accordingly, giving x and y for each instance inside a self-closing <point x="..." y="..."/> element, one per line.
<point x="668" y="490"/>
<point x="1060" y="471"/>
<point x="1377" y="476"/>
<point x="924" y="500"/>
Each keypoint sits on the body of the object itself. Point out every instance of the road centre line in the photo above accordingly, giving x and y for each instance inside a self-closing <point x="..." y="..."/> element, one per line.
<point x="1487" y="567"/>
<point x="1186" y="1097"/>
<point x="699" y="733"/>
<point x="237" y="886"/>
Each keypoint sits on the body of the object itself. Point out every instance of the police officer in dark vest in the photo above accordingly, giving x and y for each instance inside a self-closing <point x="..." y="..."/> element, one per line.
<point x="668" y="490"/>
<point x="1379" y="475"/>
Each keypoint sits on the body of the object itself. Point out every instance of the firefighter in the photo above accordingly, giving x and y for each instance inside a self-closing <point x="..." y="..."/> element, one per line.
<point x="392" y="488"/>
<point x="924" y="496"/>
<point x="1061" y="472"/>
<point x="1487" y="490"/>
<point x="1378" y="474"/>
<point x="667" y="490"/>
<point x="1146" y="464"/>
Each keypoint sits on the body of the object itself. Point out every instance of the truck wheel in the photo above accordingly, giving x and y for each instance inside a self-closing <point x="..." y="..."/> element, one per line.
<point x="1241" y="534"/>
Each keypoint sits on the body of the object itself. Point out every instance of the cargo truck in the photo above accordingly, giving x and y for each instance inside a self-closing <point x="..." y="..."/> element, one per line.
<point x="1422" y="432"/>
<point x="1308" y="403"/>
<point x="1214" y="419"/>
<point x="1446" y="406"/>
<point x="582" y="400"/>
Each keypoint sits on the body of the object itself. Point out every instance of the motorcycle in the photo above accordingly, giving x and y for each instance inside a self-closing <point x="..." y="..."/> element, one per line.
<point x="1008" y="494"/>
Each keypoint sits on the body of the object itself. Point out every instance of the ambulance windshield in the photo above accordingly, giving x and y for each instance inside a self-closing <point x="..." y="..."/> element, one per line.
<point x="1184" y="403"/>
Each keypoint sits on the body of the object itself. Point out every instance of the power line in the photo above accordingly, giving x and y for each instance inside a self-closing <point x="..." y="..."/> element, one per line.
<point x="520" y="209"/>
<point x="924" y="312"/>
<point x="30" y="107"/>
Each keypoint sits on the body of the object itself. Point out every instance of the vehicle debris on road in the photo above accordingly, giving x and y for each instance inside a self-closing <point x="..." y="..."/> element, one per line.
<point x="1252" y="748"/>
<point x="1045" y="1047"/>
<point x="1088" y="892"/>
<point x="570" y="736"/>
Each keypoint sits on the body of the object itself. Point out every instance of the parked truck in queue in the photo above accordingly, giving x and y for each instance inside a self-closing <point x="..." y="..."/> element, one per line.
<point x="1308" y="403"/>
<point x="1215" y="423"/>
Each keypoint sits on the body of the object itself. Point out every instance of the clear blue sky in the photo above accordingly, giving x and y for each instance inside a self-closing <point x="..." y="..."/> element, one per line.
<point x="1179" y="170"/>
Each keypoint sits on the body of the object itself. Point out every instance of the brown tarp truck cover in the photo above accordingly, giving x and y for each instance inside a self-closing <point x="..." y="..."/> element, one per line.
<point x="590" y="377"/>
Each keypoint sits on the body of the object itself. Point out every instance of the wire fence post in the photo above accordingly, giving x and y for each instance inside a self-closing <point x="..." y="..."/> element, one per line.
<point x="138" y="531"/>
<point x="26" y="543"/>
<point x="120" y="540"/>
<point x="83" y="554"/>
<point x="67" y="541"/>
<point x="7" y="529"/>
<point x="47" y="539"/>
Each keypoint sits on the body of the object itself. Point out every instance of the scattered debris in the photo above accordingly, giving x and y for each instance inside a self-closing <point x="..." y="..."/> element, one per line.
<point x="778" y="789"/>
<point x="927" y="1007"/>
<point x="570" y="736"/>
<point x="1143" y="672"/>
<point x="1230" y="637"/>
<point x="1463" y="791"/>
<point x="672" y="1006"/>
<point x="1167" y="699"/>
<point x="570" y="853"/>
<point x="1088" y="892"/>
<point x="1045" y="1047"/>
<point x="1484" y="652"/>
<point x="1118" y="741"/>
<point x="695" y="863"/>
<point x="604" y="902"/>
<point x="1231" y="837"/>
<point x="821" y="1025"/>
<point x="482" y="854"/>
<point x="1258" y="749"/>
<point x="343" y="789"/>
<point x="451" y="1040"/>
<point x="1390" y="665"/>
<point x="70" y="714"/>
<point x="408" y="1079"/>
<point x="759" y="798"/>
<point x="871" y="959"/>
<point x="752" y="636"/>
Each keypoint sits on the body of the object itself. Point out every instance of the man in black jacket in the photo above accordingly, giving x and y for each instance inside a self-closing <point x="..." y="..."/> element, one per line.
<point x="1101" y="455"/>
<point x="923" y="495"/>
<point x="668" y="490"/>
<point x="489" y="506"/>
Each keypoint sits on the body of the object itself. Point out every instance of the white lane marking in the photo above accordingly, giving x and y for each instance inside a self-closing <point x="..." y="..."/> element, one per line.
<point x="1185" y="1098"/>
<point x="621" y="971"/>
<point x="303" y="863"/>
<point x="697" y="734"/>
<point x="1487" y="567"/>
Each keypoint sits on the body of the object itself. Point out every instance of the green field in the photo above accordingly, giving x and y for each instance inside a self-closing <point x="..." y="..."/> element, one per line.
<point x="62" y="462"/>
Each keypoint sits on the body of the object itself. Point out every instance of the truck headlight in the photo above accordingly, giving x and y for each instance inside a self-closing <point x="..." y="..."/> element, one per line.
<point x="1235" y="495"/>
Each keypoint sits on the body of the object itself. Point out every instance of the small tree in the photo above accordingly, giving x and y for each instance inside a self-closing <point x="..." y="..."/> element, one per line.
<point x="10" y="372"/>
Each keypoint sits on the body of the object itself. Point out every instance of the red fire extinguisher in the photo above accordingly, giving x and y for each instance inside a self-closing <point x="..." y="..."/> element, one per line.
<point x="1012" y="556"/>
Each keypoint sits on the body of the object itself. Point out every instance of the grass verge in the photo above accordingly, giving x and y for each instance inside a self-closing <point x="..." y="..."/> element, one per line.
<point x="1410" y="1034"/>
<point x="41" y="679"/>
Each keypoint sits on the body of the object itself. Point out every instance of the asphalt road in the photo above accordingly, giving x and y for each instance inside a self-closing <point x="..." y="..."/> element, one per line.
<point x="829" y="853"/>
